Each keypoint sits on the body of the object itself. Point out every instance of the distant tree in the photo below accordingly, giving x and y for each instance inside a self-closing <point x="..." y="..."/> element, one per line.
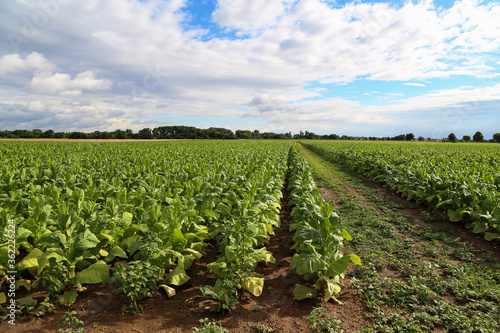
<point x="145" y="133"/>
<point x="77" y="135"/>
<point x="48" y="134"/>
<point x="452" y="137"/>
<point x="466" y="138"/>
<point x="37" y="133"/>
<point x="119" y="134"/>
<point x="496" y="137"/>
<point x="410" y="136"/>
<point x="478" y="137"/>
<point x="130" y="133"/>
<point x="421" y="138"/>
<point x="243" y="134"/>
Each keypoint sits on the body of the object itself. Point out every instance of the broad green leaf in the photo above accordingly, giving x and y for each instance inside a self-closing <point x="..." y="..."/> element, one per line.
<point x="254" y="285"/>
<point x="87" y="240"/>
<point x="44" y="259"/>
<point x="30" y="262"/>
<point x="219" y="268"/>
<point x="177" y="277"/>
<point x="307" y="263"/>
<point x="479" y="227"/>
<point x="96" y="273"/>
<point x="115" y="252"/>
<point x="23" y="283"/>
<point x="454" y="216"/>
<point x="355" y="259"/>
<point x="346" y="235"/>
<point x="489" y="236"/>
<point x="3" y="298"/>
<point x="302" y="292"/>
<point x="69" y="297"/>
<point x="338" y="266"/>
<point x="27" y="301"/>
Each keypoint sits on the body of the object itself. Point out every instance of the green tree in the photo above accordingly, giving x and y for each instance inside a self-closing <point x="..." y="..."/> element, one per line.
<point x="478" y="137"/>
<point x="452" y="137"/>
<point x="48" y="134"/>
<point x="37" y="133"/>
<point x="496" y="137"/>
<point x="145" y="133"/>
<point x="410" y="136"/>
<point x="119" y="134"/>
<point x="466" y="138"/>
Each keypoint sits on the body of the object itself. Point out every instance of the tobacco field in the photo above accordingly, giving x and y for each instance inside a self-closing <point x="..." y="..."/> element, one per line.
<point x="138" y="216"/>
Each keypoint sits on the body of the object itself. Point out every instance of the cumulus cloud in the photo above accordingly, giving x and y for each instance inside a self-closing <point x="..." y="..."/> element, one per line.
<point x="13" y="63"/>
<point x="63" y="84"/>
<point x="249" y="15"/>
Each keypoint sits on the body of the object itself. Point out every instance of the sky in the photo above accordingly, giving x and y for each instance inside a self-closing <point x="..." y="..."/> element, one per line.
<point x="360" y="68"/>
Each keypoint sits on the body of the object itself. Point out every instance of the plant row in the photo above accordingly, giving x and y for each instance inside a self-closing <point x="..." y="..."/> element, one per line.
<point x="317" y="235"/>
<point x="461" y="180"/>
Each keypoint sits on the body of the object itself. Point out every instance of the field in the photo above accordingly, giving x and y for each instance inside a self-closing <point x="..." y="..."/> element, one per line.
<point x="256" y="235"/>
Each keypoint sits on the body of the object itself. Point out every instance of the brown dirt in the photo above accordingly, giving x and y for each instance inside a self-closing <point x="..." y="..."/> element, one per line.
<point x="100" y="308"/>
<point x="416" y="210"/>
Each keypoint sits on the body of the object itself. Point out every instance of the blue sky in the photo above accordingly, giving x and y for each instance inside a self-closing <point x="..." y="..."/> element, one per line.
<point x="369" y="68"/>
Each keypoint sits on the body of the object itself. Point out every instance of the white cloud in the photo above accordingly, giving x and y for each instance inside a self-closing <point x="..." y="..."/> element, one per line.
<point x="13" y="63"/>
<point x="35" y="106"/>
<point x="62" y="83"/>
<point x="414" y="84"/>
<point x="249" y="15"/>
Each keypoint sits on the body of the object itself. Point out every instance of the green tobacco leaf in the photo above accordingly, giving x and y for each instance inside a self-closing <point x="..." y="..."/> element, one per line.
<point x="115" y="252"/>
<point x="219" y="268"/>
<point x="177" y="277"/>
<point x="346" y="235"/>
<point x="339" y="266"/>
<point x="23" y="283"/>
<point x="489" y="236"/>
<point x="479" y="227"/>
<point x="27" y="301"/>
<point x="307" y="263"/>
<point x="87" y="240"/>
<point x="3" y="298"/>
<point x="355" y="259"/>
<point x="254" y="285"/>
<point x="302" y="292"/>
<point x="454" y="216"/>
<point x="30" y="262"/>
<point x="97" y="273"/>
<point x="69" y="297"/>
<point x="308" y="235"/>
<point x="44" y="259"/>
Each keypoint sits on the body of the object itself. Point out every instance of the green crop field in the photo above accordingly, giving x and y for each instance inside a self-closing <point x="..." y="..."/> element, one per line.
<point x="70" y="211"/>
<point x="463" y="180"/>
<point x="139" y="215"/>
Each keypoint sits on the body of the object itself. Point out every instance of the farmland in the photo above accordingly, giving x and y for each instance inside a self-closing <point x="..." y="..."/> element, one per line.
<point x="149" y="217"/>
<point x="463" y="180"/>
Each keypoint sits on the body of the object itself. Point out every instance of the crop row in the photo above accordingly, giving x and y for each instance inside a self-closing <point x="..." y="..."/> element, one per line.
<point x="462" y="180"/>
<point x="318" y="237"/>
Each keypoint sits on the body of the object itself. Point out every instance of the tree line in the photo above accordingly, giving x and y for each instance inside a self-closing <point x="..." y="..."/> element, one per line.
<point x="190" y="132"/>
